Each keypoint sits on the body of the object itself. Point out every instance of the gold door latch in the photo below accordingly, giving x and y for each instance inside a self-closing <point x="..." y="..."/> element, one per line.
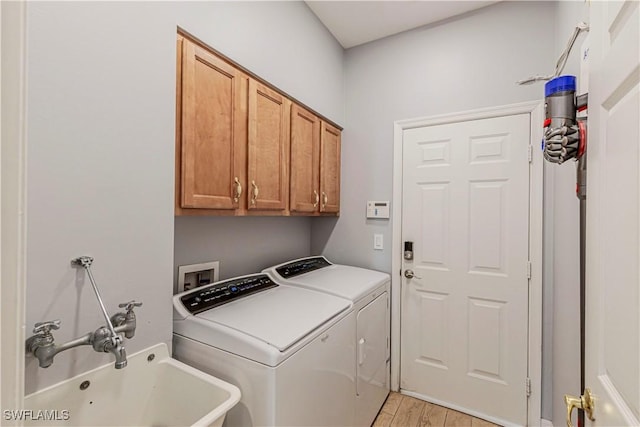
<point x="584" y="402"/>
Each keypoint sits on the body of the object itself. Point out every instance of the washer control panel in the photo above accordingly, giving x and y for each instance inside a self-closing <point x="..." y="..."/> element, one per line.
<point x="297" y="268"/>
<point x="219" y="293"/>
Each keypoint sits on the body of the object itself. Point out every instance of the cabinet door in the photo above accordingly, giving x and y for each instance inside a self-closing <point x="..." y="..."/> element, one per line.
<point x="329" y="169"/>
<point x="305" y="160"/>
<point x="211" y="130"/>
<point x="268" y="146"/>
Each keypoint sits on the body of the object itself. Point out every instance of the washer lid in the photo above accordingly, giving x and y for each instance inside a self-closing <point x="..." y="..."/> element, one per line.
<point x="280" y="316"/>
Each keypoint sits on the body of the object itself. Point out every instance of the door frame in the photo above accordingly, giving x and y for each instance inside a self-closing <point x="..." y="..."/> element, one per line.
<point x="13" y="196"/>
<point x="535" y="109"/>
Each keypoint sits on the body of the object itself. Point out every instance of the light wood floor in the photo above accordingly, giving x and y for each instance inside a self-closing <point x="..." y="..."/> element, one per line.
<point x="406" y="411"/>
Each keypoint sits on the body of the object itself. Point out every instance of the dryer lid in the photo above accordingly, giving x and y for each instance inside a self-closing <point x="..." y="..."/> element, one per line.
<point x="344" y="281"/>
<point x="280" y="316"/>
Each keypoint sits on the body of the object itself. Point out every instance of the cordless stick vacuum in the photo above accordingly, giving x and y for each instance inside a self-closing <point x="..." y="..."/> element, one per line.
<point x="565" y="138"/>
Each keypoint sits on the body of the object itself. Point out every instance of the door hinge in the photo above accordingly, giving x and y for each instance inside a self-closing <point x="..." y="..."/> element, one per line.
<point x="530" y="153"/>
<point x="528" y="386"/>
<point x="528" y="269"/>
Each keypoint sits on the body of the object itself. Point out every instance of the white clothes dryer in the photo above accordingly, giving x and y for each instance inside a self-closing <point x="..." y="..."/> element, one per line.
<point x="289" y="350"/>
<point x="369" y="291"/>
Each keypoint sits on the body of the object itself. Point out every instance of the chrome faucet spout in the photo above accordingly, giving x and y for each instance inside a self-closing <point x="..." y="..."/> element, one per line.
<point x="121" y="356"/>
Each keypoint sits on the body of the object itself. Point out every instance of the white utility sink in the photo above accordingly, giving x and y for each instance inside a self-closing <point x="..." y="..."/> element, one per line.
<point x="153" y="390"/>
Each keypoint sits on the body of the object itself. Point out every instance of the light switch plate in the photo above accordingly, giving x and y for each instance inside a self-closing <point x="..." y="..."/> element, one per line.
<point x="378" y="242"/>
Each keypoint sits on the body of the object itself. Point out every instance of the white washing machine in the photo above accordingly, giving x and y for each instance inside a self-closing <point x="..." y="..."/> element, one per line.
<point x="369" y="291"/>
<point x="289" y="350"/>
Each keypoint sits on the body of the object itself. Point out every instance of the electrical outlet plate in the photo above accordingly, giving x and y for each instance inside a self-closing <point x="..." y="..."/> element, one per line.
<point x="193" y="275"/>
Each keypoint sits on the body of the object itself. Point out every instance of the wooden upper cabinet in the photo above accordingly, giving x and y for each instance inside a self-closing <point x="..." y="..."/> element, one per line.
<point x="268" y="146"/>
<point x="305" y="161"/>
<point x="242" y="148"/>
<point x="212" y="134"/>
<point x="329" y="169"/>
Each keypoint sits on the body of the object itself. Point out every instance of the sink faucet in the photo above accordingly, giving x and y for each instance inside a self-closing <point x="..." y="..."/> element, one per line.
<point x="123" y="323"/>
<point x="102" y="342"/>
<point x="42" y="344"/>
<point x="105" y="339"/>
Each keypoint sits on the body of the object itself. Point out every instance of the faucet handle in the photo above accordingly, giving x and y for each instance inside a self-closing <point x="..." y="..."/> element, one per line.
<point x="130" y="305"/>
<point x="44" y="328"/>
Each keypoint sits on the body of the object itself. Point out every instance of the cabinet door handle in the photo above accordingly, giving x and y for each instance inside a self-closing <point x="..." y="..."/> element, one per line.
<point x="325" y="199"/>
<point x="317" y="198"/>
<point x="238" y="192"/>
<point x="256" y="191"/>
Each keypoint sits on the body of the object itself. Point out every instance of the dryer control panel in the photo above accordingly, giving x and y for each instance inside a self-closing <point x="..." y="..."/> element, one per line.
<point x="297" y="268"/>
<point x="219" y="293"/>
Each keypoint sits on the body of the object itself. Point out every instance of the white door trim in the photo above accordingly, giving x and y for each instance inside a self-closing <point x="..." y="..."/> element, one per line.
<point x="13" y="196"/>
<point x="536" y="111"/>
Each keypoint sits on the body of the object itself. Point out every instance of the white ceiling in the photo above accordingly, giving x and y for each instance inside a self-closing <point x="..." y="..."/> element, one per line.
<point x="357" y="22"/>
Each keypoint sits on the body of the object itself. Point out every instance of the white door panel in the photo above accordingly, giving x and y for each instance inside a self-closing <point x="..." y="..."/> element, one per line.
<point x="612" y="370"/>
<point x="464" y="314"/>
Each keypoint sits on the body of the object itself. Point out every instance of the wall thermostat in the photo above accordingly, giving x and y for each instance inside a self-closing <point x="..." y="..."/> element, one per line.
<point x="378" y="209"/>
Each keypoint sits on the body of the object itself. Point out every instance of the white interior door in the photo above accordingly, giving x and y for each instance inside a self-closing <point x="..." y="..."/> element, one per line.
<point x="464" y="320"/>
<point x="612" y="270"/>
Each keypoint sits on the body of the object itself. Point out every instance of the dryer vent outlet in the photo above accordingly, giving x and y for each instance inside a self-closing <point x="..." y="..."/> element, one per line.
<point x="195" y="275"/>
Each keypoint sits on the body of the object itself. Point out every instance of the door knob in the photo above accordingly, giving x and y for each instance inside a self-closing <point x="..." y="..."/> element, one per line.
<point x="409" y="274"/>
<point x="584" y="402"/>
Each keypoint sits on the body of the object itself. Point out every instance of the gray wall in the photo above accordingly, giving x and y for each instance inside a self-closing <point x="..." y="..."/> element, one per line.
<point x="465" y="63"/>
<point x="101" y="113"/>
<point x="242" y="245"/>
